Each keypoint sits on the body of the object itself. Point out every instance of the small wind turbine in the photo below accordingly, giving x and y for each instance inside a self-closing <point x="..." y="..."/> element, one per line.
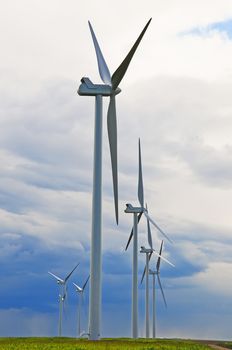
<point x="137" y="213"/>
<point x="80" y="291"/>
<point x="62" y="295"/>
<point x="155" y="273"/>
<point x="149" y="252"/>
<point x="111" y="89"/>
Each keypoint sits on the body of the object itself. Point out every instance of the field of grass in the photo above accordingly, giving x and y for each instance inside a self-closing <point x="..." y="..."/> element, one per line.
<point x="105" y="344"/>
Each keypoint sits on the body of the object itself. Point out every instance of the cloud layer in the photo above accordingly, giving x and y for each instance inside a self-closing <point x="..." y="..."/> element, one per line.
<point x="177" y="97"/>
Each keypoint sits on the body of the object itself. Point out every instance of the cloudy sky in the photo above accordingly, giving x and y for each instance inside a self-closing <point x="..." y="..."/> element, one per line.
<point x="176" y="96"/>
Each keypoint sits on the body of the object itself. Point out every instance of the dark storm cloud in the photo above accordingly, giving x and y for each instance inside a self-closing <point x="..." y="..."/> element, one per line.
<point x="25" y="275"/>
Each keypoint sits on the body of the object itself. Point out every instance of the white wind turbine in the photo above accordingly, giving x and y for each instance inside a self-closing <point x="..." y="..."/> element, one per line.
<point x="149" y="251"/>
<point x="156" y="273"/>
<point x="137" y="213"/>
<point x="111" y="89"/>
<point x="62" y="295"/>
<point x="80" y="291"/>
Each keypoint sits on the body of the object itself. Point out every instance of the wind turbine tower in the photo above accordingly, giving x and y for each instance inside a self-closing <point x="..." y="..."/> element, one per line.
<point x="109" y="88"/>
<point x="156" y="273"/>
<point x="149" y="251"/>
<point x="80" y="291"/>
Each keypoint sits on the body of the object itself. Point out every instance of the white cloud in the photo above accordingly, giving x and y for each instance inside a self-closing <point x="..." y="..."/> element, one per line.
<point x="176" y="97"/>
<point x="215" y="279"/>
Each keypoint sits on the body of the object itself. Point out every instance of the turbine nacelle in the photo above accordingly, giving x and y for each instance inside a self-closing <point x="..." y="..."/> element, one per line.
<point x="87" y="88"/>
<point x="146" y="250"/>
<point x="131" y="209"/>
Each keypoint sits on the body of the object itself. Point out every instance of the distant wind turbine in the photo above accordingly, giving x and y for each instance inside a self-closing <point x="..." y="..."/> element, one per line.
<point x="137" y="213"/>
<point x="156" y="273"/>
<point x="62" y="295"/>
<point x="149" y="251"/>
<point x="111" y="89"/>
<point x="80" y="291"/>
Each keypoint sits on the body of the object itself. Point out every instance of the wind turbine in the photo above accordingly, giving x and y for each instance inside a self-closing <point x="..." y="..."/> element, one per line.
<point x="80" y="291"/>
<point x="155" y="273"/>
<point x="149" y="251"/>
<point x="137" y="214"/>
<point x="62" y="295"/>
<point x="109" y="88"/>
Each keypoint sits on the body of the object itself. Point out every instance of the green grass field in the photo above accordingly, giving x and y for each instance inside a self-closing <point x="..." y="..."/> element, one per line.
<point x="105" y="344"/>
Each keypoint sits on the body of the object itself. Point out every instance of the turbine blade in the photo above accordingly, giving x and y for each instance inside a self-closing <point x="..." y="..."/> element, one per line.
<point x="162" y="290"/>
<point x="83" y="288"/>
<point x="144" y="271"/>
<point x="121" y="70"/>
<point x="112" y="135"/>
<point x="140" y="181"/>
<point x="67" y="277"/>
<point x="102" y="66"/>
<point x="158" y="228"/>
<point x="158" y="261"/>
<point x="149" y="237"/>
<point x="150" y="255"/>
<point x="128" y="242"/>
<point x="164" y="259"/>
<point x="131" y="234"/>
<point x="65" y="291"/>
<point x="77" y="287"/>
<point x="56" y="277"/>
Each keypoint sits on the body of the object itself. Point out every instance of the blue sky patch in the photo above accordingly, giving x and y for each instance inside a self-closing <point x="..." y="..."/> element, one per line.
<point x="223" y="27"/>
